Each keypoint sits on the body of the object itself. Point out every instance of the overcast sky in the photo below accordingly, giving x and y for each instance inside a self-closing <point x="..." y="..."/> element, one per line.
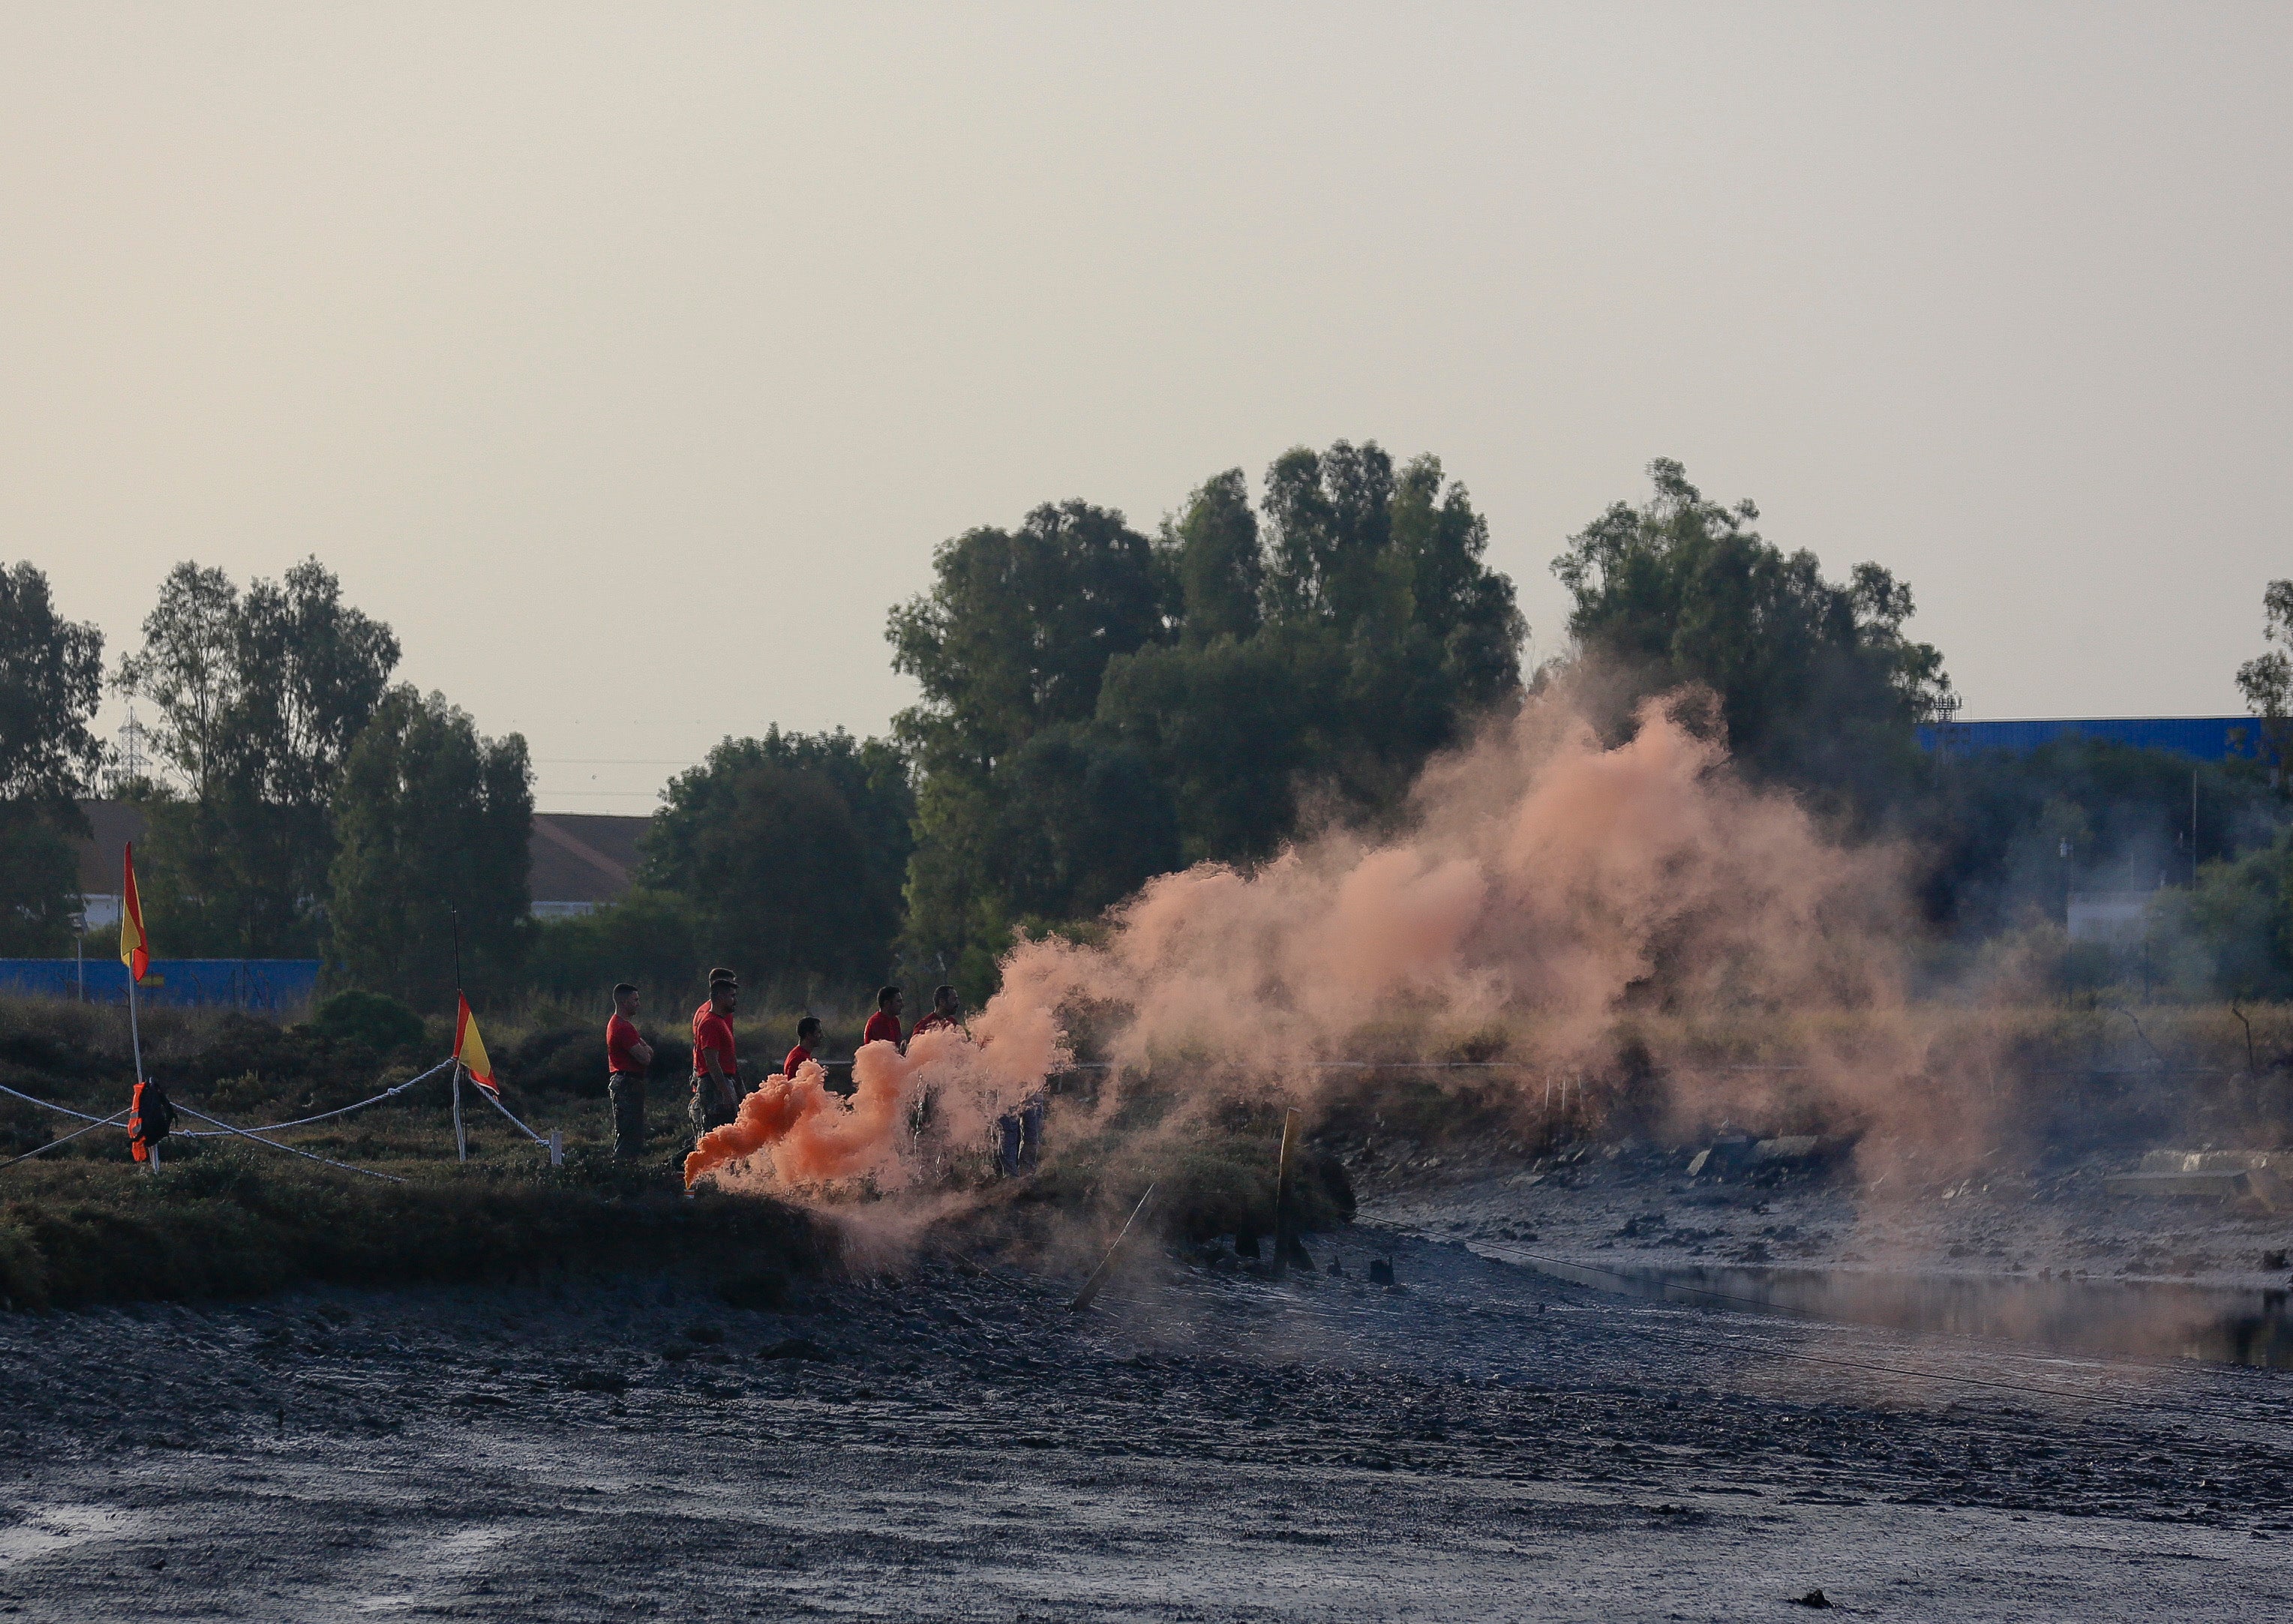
<point x="630" y="361"/>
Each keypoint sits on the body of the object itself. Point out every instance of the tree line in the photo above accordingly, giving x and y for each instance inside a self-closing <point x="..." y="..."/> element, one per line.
<point x="298" y="801"/>
<point x="1098" y="703"/>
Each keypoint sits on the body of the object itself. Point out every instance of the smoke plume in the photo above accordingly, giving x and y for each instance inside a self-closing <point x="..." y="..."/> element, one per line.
<point x="1577" y="901"/>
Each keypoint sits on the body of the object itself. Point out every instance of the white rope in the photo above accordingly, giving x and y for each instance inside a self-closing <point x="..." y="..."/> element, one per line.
<point x="504" y="1110"/>
<point x="64" y="1110"/>
<point x="269" y="1127"/>
<point x="272" y="1127"/>
<point x="289" y="1149"/>
<point x="98" y="1122"/>
<point x="66" y="1139"/>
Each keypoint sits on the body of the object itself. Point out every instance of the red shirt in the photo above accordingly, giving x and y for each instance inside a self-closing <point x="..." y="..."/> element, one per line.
<point x="931" y="1023"/>
<point x="797" y="1056"/>
<point x="883" y="1026"/>
<point x="620" y="1038"/>
<point x="712" y="1033"/>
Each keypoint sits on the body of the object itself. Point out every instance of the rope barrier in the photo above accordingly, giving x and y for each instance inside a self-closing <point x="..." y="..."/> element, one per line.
<point x="63" y="1109"/>
<point x="224" y="1130"/>
<point x="66" y="1139"/>
<point x="272" y="1127"/>
<point x="504" y="1110"/>
<point x="307" y="1155"/>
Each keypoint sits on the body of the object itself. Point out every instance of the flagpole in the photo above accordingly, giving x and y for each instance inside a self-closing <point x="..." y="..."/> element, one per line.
<point x="135" y="1042"/>
<point x="461" y="1145"/>
<point x="131" y="909"/>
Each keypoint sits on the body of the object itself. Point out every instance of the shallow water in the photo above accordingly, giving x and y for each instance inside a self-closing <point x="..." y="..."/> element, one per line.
<point x="2155" y="1319"/>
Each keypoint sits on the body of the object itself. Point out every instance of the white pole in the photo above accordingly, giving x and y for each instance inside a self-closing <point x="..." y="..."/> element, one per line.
<point x="461" y="1145"/>
<point x="135" y="1041"/>
<point x="135" y="1033"/>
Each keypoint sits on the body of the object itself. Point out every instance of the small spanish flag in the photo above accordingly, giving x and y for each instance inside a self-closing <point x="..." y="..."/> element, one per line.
<point x="470" y="1049"/>
<point x="134" y="946"/>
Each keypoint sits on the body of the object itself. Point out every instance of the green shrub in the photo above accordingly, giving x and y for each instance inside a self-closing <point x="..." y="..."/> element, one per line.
<point x="374" y="1019"/>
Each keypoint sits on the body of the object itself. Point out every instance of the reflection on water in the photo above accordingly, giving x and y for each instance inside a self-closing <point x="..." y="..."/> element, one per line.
<point x="2152" y="1320"/>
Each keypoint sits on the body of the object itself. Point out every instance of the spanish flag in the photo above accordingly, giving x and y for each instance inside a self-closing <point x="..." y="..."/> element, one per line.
<point x="134" y="946"/>
<point x="470" y="1049"/>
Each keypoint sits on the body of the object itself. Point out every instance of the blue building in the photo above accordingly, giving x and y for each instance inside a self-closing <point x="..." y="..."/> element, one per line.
<point x="2202" y="738"/>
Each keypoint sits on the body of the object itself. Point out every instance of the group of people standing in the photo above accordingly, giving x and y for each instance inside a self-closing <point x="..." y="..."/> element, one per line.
<point x="717" y="1088"/>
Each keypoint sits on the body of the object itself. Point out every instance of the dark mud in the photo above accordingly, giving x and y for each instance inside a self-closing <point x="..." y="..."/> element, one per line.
<point x="1488" y="1442"/>
<point x="2144" y="1319"/>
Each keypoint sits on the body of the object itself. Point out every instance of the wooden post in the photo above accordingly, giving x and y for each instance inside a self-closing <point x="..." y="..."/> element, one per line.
<point x="1082" y="1299"/>
<point x="1285" y="1237"/>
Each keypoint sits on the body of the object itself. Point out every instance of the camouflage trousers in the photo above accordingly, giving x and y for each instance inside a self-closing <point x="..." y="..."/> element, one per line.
<point x="706" y="1109"/>
<point x="627" y="1090"/>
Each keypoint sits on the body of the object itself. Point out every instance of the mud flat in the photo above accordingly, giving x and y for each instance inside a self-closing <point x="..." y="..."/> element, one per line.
<point x="1489" y="1442"/>
<point x="1640" y="1210"/>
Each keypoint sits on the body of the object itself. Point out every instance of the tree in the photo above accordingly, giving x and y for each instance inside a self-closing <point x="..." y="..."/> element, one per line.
<point x="2001" y="833"/>
<point x="647" y="936"/>
<point x="1333" y="639"/>
<point x="790" y="850"/>
<point x="1393" y="627"/>
<point x="1221" y="562"/>
<point x="430" y="818"/>
<point x="258" y="699"/>
<point x="1331" y="518"/>
<point x="1019" y="626"/>
<point x="2230" y="934"/>
<point x="1817" y="684"/>
<point x="2266" y="680"/>
<point x="1229" y="728"/>
<point x="1082" y="821"/>
<point x="188" y="668"/>
<point x="1013" y="637"/>
<point x="51" y="681"/>
<point x="39" y="883"/>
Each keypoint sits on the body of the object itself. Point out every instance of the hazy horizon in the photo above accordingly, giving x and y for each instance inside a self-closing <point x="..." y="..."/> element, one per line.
<point x="631" y="363"/>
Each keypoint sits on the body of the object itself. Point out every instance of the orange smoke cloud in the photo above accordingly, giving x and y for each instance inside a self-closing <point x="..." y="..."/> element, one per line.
<point x="813" y="1137"/>
<point x="1546" y="884"/>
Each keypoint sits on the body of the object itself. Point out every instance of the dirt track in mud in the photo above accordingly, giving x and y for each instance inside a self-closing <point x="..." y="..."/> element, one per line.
<point x="1488" y="1442"/>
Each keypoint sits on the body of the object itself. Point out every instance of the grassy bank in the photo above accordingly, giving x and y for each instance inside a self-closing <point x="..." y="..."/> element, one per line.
<point x="223" y="1217"/>
<point x="225" y="1223"/>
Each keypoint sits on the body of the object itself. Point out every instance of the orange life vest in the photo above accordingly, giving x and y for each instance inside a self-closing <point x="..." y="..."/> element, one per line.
<point x="149" y="1118"/>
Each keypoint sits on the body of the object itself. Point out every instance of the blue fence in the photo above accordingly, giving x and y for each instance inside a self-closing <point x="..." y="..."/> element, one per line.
<point x="270" y="985"/>
<point x="2202" y="738"/>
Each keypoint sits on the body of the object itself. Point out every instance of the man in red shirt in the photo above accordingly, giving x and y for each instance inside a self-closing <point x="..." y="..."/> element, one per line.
<point x="807" y="1037"/>
<point x="946" y="1011"/>
<point x="626" y="1056"/>
<point x="716" y="1064"/>
<point x="884" y="1025"/>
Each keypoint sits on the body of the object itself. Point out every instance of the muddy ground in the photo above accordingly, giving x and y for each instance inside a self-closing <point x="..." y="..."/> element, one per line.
<point x="1485" y="1443"/>
<point x="1639" y="1209"/>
